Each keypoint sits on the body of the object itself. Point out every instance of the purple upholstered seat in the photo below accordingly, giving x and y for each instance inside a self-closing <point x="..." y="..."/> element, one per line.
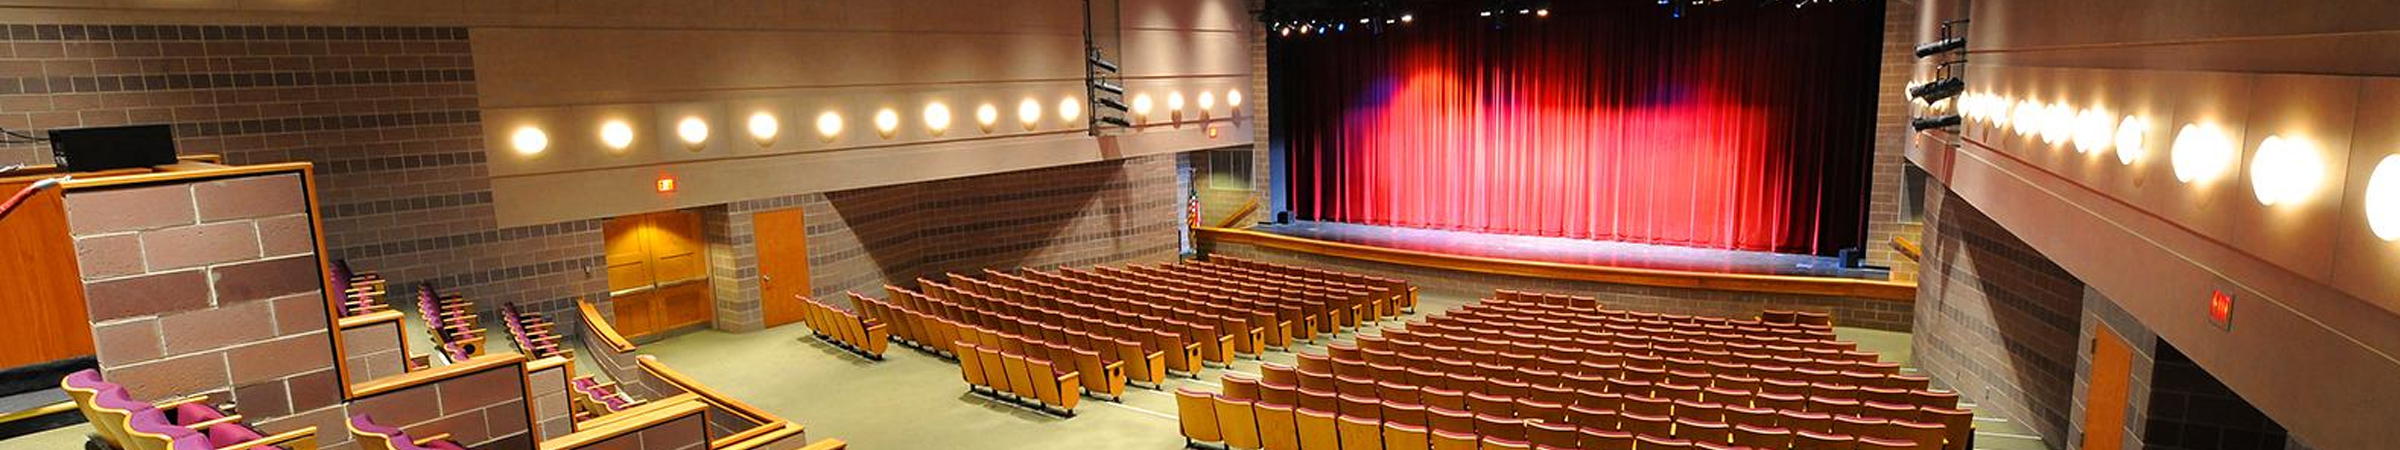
<point x="112" y="396"/>
<point x="399" y="439"/>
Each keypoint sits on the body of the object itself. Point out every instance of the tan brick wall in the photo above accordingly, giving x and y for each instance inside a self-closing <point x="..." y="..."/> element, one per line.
<point x="374" y="351"/>
<point x="484" y="409"/>
<point x="553" y="408"/>
<point x="389" y="116"/>
<point x="201" y="288"/>
<point x="1995" y="319"/>
<point x="1892" y="138"/>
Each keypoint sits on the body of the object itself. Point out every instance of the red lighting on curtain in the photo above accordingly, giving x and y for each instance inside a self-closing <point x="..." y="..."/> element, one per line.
<point x="1735" y="127"/>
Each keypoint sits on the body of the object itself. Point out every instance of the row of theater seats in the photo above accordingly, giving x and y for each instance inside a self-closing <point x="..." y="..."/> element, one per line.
<point x="450" y="323"/>
<point x="593" y="398"/>
<point x="1397" y="291"/>
<point x="187" y="424"/>
<point x="862" y="334"/>
<point x="1562" y="373"/>
<point x="534" y="333"/>
<point x="1095" y="331"/>
<point x="362" y="293"/>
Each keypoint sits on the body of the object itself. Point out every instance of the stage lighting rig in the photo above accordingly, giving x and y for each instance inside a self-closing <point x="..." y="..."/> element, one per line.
<point x="1938" y="90"/>
<point x="1105" y="87"/>
<point x="1946" y="84"/>
<point x="1926" y="123"/>
<point x="1941" y="46"/>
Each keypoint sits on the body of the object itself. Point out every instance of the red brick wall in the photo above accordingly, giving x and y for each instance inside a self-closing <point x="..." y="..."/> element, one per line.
<point x="208" y="288"/>
<point x="484" y="409"/>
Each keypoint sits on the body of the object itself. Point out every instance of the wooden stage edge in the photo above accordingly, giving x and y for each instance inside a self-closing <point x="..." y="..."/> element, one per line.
<point x="1772" y="284"/>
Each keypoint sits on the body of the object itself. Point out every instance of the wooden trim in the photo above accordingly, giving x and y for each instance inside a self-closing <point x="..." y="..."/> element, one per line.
<point x="546" y="363"/>
<point x="598" y="324"/>
<point x="1239" y="213"/>
<point x="660" y="370"/>
<point x="828" y="444"/>
<point x="630" y="421"/>
<point x="431" y="375"/>
<point x="39" y="411"/>
<point x="184" y="172"/>
<point x="1770" y="284"/>
<point x="1908" y="248"/>
<point x="36" y="172"/>
<point x="368" y="319"/>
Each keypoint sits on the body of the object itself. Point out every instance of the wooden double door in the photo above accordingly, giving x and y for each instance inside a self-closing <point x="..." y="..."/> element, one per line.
<point x="658" y="272"/>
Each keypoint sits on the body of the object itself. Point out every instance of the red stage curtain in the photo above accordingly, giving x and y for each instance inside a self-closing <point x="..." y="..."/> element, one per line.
<point x="1736" y="127"/>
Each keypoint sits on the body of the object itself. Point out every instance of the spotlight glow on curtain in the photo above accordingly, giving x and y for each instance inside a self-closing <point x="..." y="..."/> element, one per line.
<point x="1734" y="127"/>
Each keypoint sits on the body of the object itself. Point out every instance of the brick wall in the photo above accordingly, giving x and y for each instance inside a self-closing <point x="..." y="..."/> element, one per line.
<point x="859" y="240"/>
<point x="1849" y="312"/>
<point x="2099" y="311"/>
<point x="553" y="407"/>
<point x="1995" y="320"/>
<point x="388" y="115"/>
<point x="208" y="288"/>
<point x="485" y="409"/>
<point x="1901" y="22"/>
<point x="2190" y="410"/>
<point x="374" y="350"/>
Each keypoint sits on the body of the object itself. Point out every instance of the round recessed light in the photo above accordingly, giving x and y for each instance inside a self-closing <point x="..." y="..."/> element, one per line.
<point x="616" y="134"/>
<point x="2201" y="151"/>
<point x="1070" y="109"/>
<point x="2286" y="170"/>
<point x="529" y="141"/>
<point x="2095" y="130"/>
<point x="693" y="131"/>
<point x="2383" y="199"/>
<point x="887" y="122"/>
<point x="1029" y="113"/>
<point x="763" y="127"/>
<point x="987" y="116"/>
<point x="2132" y="135"/>
<point x="829" y="125"/>
<point x="937" y="117"/>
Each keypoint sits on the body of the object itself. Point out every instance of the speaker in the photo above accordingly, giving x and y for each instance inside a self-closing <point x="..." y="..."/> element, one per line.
<point x="105" y="148"/>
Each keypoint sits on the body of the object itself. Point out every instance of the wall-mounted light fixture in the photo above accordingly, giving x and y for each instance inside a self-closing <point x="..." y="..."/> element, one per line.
<point x="937" y="118"/>
<point x="693" y="131"/>
<point x="763" y="128"/>
<point x="829" y="125"/>
<point x="1070" y="109"/>
<point x="2132" y="138"/>
<point x="2383" y="199"/>
<point x="616" y="135"/>
<point x="529" y="141"/>
<point x="1029" y="113"/>
<point x="987" y="116"/>
<point x="887" y="122"/>
<point x="2201" y="152"/>
<point x="2286" y="170"/>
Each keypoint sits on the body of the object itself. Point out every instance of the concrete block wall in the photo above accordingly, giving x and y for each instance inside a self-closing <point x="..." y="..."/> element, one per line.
<point x="389" y="115"/>
<point x="208" y="288"/>
<point x="374" y="351"/>
<point x="553" y="406"/>
<point x="2099" y="311"/>
<point x="1996" y="320"/>
<point x="860" y="240"/>
<point x="483" y="410"/>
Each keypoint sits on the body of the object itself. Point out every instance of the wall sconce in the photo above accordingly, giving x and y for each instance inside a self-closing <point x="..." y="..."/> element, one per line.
<point x="887" y="122"/>
<point x="2201" y="151"/>
<point x="937" y="118"/>
<point x="2286" y="170"/>
<point x="2028" y="118"/>
<point x="1208" y="101"/>
<point x="1070" y="109"/>
<point x="2132" y="135"/>
<point x="2058" y="124"/>
<point x="2383" y="199"/>
<point x="829" y="126"/>
<point x="616" y="134"/>
<point x="694" y="133"/>
<point x="529" y="141"/>
<point x="2094" y="131"/>
<point x="1141" y="106"/>
<point x="1175" y="106"/>
<point x="763" y="128"/>
<point x="988" y="116"/>
<point x="1029" y="113"/>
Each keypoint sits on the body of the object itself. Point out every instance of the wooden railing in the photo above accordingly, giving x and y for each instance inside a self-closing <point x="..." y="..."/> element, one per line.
<point x="1239" y="213"/>
<point x="764" y="430"/>
<point x="631" y="422"/>
<point x="598" y="325"/>
<point x="1908" y="248"/>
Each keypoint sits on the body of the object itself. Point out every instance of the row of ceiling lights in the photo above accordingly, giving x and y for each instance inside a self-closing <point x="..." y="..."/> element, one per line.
<point x="764" y="127"/>
<point x="2285" y="170"/>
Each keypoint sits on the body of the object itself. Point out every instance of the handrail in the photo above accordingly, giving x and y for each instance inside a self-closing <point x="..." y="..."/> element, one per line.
<point x="1774" y="284"/>
<point x="36" y="172"/>
<point x="598" y="325"/>
<point x="1239" y="213"/>
<point x="368" y="319"/>
<point x="184" y="171"/>
<point x="634" y="420"/>
<point x="770" y="429"/>
<point x="430" y="375"/>
<point x="1908" y="248"/>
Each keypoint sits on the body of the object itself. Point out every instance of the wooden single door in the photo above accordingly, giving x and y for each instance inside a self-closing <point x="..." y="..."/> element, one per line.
<point x="657" y="272"/>
<point x="782" y="238"/>
<point x="2104" y="403"/>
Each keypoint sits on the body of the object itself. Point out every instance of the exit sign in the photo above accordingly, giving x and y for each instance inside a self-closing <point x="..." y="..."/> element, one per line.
<point x="2220" y="310"/>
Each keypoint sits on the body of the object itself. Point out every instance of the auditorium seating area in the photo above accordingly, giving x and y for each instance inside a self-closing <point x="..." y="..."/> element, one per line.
<point x="361" y="292"/>
<point x="184" y="424"/>
<point x="858" y="333"/>
<point x="451" y="324"/>
<point x="1527" y="370"/>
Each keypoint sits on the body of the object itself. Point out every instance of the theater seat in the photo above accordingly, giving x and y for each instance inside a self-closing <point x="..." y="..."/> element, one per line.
<point x="1606" y="439"/>
<point x="1404" y="437"/>
<point x="1360" y="433"/>
<point x="1761" y="437"/>
<point x="374" y="436"/>
<point x="1278" y="428"/>
<point x="1198" y="412"/>
<point x="1318" y="430"/>
<point x="1238" y="422"/>
<point x="1449" y="440"/>
<point x="1816" y="440"/>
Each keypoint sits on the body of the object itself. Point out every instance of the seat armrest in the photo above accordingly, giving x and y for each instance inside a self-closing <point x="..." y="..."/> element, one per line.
<point x="421" y="442"/>
<point x="300" y="439"/>
<point x="229" y="418"/>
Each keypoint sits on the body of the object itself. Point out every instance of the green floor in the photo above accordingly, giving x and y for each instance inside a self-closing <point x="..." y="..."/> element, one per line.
<point x="912" y="400"/>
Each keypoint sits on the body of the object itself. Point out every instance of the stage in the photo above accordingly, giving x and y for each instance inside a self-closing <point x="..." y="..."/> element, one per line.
<point x="1573" y="251"/>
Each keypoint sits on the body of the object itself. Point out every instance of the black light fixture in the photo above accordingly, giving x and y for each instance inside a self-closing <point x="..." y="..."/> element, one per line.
<point x="1941" y="46"/>
<point x="1938" y="90"/>
<point x="1926" y="123"/>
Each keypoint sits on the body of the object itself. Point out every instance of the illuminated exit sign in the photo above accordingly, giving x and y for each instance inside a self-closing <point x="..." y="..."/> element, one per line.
<point x="2220" y="310"/>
